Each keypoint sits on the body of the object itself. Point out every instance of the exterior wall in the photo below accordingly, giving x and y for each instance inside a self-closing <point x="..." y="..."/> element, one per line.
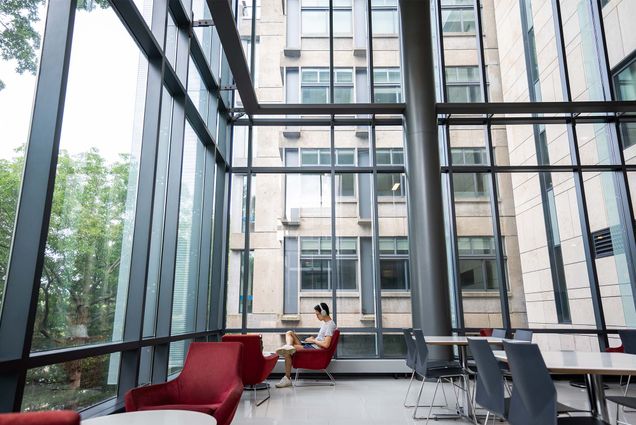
<point x="599" y="189"/>
<point x="277" y="51"/>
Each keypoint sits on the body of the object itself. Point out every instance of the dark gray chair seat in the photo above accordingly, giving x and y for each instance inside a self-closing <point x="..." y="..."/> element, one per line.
<point x="629" y="402"/>
<point x="580" y="420"/>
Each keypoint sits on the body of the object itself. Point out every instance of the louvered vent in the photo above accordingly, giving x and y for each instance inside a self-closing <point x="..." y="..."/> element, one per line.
<point x="607" y="242"/>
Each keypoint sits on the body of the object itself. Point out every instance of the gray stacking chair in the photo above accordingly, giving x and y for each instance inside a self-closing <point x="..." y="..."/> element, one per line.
<point x="523" y="335"/>
<point x="489" y="391"/>
<point x="499" y="333"/>
<point x="440" y="372"/>
<point x="628" y="339"/>
<point x="534" y="397"/>
<point x="411" y="359"/>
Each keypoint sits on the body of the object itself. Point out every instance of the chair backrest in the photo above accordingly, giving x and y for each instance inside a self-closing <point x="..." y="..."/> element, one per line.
<point x="411" y="351"/>
<point x="210" y="369"/>
<point x="523" y="335"/>
<point x="628" y="338"/>
<point x="422" y="352"/>
<point x="334" y="343"/>
<point x="53" y="417"/>
<point x="534" y="397"/>
<point x="500" y="333"/>
<point x="490" y="389"/>
<point x="252" y="360"/>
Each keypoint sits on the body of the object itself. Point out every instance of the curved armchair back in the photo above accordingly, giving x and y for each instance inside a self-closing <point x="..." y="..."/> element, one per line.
<point x="210" y="369"/>
<point x="54" y="417"/>
<point x="256" y="367"/>
<point x="316" y="359"/>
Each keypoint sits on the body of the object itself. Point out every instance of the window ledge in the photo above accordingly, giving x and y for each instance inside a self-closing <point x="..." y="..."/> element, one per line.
<point x="459" y="34"/>
<point x="396" y="294"/>
<point x="367" y="317"/>
<point x="290" y="318"/>
<point x="341" y="293"/>
<point x="482" y="294"/>
<point x="360" y="52"/>
<point x="483" y="200"/>
<point x="392" y="199"/>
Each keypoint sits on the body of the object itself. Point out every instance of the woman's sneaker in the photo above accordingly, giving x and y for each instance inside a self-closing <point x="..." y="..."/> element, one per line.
<point x="284" y="382"/>
<point x="285" y="350"/>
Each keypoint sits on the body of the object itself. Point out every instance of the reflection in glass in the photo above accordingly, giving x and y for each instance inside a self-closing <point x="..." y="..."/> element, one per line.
<point x="73" y="385"/>
<point x="86" y="267"/>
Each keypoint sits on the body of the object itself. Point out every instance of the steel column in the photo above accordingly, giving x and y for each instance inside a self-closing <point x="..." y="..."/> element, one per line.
<point x="429" y="291"/>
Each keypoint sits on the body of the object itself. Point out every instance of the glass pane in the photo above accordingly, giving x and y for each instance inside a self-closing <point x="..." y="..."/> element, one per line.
<point x="315" y="22"/>
<point x="356" y="346"/>
<point x="17" y="89"/>
<point x="73" y="385"/>
<point x="86" y="267"/>
<point x="187" y="261"/>
<point x="394" y="345"/>
<point x="611" y="229"/>
<point x="156" y="238"/>
<point x="177" y="355"/>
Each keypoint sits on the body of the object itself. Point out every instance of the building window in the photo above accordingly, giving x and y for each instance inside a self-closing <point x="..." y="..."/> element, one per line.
<point x="394" y="263"/>
<point x="390" y="184"/>
<point x="246" y="9"/>
<point x="458" y="16"/>
<point x="345" y="182"/>
<point x="315" y="263"/>
<point x="250" y="286"/>
<point x="469" y="185"/>
<point x="625" y="88"/>
<point x="386" y="85"/>
<point x="462" y="84"/>
<point x="384" y="17"/>
<point x="315" y="85"/>
<point x="315" y="18"/>
<point x="477" y="263"/>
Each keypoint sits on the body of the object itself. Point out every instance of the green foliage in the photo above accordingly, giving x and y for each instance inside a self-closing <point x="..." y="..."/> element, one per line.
<point x="19" y="41"/>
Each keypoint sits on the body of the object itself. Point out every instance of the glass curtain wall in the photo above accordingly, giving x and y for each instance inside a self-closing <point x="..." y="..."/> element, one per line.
<point x="122" y="249"/>
<point x="543" y="224"/>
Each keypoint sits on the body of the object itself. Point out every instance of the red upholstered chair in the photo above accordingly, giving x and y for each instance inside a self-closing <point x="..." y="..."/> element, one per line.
<point x="485" y="332"/>
<point x="256" y="367"/>
<point x="210" y="382"/>
<point x="52" y="417"/>
<point x="316" y="359"/>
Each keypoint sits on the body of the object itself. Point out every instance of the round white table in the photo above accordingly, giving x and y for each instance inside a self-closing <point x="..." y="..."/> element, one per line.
<point x="153" y="417"/>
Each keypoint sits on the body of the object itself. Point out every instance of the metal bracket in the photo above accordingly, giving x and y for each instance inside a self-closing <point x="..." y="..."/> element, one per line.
<point x="228" y="87"/>
<point x="203" y="23"/>
<point x="236" y="116"/>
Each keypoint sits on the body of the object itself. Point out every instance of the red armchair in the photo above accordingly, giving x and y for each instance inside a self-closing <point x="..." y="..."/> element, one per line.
<point x="256" y="367"/>
<point x="316" y="359"/>
<point x="210" y="382"/>
<point x="54" y="417"/>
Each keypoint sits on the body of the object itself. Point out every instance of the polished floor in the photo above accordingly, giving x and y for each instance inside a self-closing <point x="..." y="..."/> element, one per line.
<point x="368" y="401"/>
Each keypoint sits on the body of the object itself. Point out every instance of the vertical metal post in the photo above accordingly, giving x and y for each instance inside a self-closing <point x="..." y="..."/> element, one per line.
<point x="34" y="206"/>
<point x="429" y="291"/>
<point x="494" y="192"/>
<point x="246" y="249"/>
<point x="441" y="73"/>
<point x="139" y="259"/>
<point x="581" y="199"/>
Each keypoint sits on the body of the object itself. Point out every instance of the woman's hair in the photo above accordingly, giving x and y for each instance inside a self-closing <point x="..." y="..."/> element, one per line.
<point x="322" y="307"/>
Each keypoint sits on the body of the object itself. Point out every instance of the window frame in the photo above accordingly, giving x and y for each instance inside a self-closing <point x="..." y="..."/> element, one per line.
<point x="324" y="254"/>
<point x="395" y="255"/>
<point x="323" y="8"/>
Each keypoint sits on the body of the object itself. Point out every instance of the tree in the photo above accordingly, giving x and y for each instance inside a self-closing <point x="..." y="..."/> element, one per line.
<point x="19" y="40"/>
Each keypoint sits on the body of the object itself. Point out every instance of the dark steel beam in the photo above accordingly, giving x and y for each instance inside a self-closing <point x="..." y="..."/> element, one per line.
<point x="137" y="27"/>
<point x="318" y="122"/>
<point x="230" y="40"/>
<point x="528" y="108"/>
<point x="318" y="170"/>
<point x="331" y="108"/>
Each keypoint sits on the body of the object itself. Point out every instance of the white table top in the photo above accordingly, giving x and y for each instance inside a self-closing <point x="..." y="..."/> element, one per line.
<point x="583" y="363"/>
<point x="458" y="340"/>
<point x="154" y="417"/>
